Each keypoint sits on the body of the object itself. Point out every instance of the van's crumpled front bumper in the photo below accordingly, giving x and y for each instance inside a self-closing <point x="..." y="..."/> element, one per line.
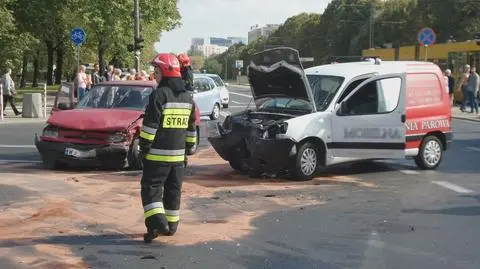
<point x="259" y="154"/>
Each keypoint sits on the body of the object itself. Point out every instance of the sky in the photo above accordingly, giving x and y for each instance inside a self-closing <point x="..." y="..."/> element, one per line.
<point x="224" y="18"/>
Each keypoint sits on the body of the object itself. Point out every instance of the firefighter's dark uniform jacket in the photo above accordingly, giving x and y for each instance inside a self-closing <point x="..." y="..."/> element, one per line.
<point x="187" y="76"/>
<point x="168" y="125"/>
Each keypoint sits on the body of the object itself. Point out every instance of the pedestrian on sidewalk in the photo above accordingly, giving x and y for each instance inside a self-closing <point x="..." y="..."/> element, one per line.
<point x="110" y="72"/>
<point x="472" y="89"/>
<point x="81" y="81"/>
<point x="117" y="74"/>
<point x="463" y="86"/>
<point x="451" y="84"/>
<point x="9" y="92"/>
<point x="96" y="77"/>
<point x="132" y="74"/>
<point x="142" y="75"/>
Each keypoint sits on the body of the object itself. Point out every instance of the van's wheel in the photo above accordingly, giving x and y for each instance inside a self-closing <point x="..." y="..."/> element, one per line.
<point x="215" y="112"/>
<point x="306" y="162"/>
<point x="193" y="149"/>
<point x="430" y="154"/>
<point x="133" y="157"/>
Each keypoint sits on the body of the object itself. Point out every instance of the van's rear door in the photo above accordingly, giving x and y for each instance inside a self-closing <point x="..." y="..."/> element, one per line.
<point x="370" y="122"/>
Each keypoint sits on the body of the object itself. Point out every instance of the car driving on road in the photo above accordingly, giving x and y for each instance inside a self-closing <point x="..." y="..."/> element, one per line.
<point x="101" y="130"/>
<point x="224" y="94"/>
<point x="207" y="96"/>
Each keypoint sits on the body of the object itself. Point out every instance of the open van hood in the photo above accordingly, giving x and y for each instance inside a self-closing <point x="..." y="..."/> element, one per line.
<point x="279" y="72"/>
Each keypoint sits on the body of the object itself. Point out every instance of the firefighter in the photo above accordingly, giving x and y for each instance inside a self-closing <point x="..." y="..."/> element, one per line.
<point x="168" y="125"/>
<point x="186" y="70"/>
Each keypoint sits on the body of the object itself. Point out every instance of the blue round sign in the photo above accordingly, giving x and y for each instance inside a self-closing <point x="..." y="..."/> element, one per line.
<point x="427" y="37"/>
<point x="77" y="36"/>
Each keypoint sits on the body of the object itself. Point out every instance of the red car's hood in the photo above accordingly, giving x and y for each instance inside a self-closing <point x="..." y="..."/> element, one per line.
<point x="94" y="119"/>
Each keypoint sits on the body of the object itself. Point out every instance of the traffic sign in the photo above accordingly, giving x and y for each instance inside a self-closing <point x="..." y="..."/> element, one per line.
<point x="238" y="64"/>
<point x="427" y="37"/>
<point x="78" y="36"/>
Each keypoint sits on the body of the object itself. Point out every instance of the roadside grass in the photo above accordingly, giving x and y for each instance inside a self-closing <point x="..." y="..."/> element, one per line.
<point x="20" y="92"/>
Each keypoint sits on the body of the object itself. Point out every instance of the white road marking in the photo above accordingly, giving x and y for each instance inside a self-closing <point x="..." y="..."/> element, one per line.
<point x="244" y="106"/>
<point x="18" y="161"/>
<point x="452" y="187"/>
<point x="474" y="149"/>
<point x="241" y="94"/>
<point x="18" y="146"/>
<point x="374" y="253"/>
<point x="409" y="172"/>
<point x="224" y="114"/>
<point x="238" y="103"/>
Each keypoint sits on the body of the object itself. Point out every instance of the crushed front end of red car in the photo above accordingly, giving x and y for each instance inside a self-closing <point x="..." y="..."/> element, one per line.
<point x="93" y="137"/>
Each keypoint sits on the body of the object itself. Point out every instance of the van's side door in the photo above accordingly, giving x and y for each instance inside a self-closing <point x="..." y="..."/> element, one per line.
<point x="370" y="122"/>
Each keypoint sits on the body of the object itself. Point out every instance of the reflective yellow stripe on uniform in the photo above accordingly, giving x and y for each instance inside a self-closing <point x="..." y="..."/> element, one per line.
<point x="177" y="111"/>
<point x="153" y="209"/>
<point x="176" y="115"/>
<point x="166" y="155"/>
<point x="172" y="215"/>
<point x="177" y="105"/>
<point x="148" y="133"/>
<point x="191" y="137"/>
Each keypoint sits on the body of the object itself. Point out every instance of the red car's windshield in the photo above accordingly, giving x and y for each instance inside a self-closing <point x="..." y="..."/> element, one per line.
<point x="116" y="96"/>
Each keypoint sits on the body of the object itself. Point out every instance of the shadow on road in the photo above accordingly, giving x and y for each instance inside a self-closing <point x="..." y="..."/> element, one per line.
<point x="459" y="159"/>
<point x="268" y="247"/>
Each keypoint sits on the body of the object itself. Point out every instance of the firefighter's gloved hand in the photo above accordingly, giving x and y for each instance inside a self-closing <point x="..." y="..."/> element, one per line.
<point x="185" y="162"/>
<point x="143" y="151"/>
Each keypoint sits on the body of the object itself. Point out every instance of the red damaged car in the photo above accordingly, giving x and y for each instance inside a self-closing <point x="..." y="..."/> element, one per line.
<point x="101" y="130"/>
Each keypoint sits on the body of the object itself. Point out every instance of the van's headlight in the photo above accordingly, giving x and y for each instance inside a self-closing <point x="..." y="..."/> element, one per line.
<point x="50" y="131"/>
<point x="283" y="127"/>
<point x="116" y="138"/>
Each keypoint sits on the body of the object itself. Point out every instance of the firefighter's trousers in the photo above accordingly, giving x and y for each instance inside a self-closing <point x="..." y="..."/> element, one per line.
<point x="161" y="192"/>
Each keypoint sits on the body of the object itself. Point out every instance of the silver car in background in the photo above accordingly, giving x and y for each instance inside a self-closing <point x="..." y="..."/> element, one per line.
<point x="206" y="95"/>
<point x="224" y="95"/>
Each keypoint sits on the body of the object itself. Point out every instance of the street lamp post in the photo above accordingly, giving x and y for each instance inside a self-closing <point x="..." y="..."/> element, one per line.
<point x="137" y="33"/>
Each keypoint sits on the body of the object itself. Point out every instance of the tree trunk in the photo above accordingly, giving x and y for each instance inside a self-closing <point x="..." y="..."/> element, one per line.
<point x="36" y="69"/>
<point x="101" y="57"/>
<point x="59" y="69"/>
<point x="50" y="51"/>
<point x="24" y="71"/>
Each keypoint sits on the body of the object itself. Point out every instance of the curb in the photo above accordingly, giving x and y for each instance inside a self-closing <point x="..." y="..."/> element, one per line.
<point x="22" y="120"/>
<point x="465" y="118"/>
<point x="239" y="85"/>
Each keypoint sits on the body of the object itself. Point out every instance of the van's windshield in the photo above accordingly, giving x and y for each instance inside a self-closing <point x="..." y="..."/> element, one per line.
<point x="324" y="89"/>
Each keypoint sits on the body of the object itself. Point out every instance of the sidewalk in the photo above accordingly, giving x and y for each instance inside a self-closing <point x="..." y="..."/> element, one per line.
<point x="235" y="83"/>
<point x="457" y="114"/>
<point x="10" y="119"/>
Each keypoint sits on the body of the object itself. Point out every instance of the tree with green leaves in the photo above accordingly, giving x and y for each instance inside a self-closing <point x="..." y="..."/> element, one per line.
<point x="13" y="42"/>
<point x="212" y="66"/>
<point x="110" y="26"/>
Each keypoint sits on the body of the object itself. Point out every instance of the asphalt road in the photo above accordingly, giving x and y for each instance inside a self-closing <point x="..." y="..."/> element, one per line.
<point x="392" y="216"/>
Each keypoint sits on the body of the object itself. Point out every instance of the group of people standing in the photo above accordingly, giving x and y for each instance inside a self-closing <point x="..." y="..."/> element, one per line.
<point x="84" y="81"/>
<point x="468" y="86"/>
